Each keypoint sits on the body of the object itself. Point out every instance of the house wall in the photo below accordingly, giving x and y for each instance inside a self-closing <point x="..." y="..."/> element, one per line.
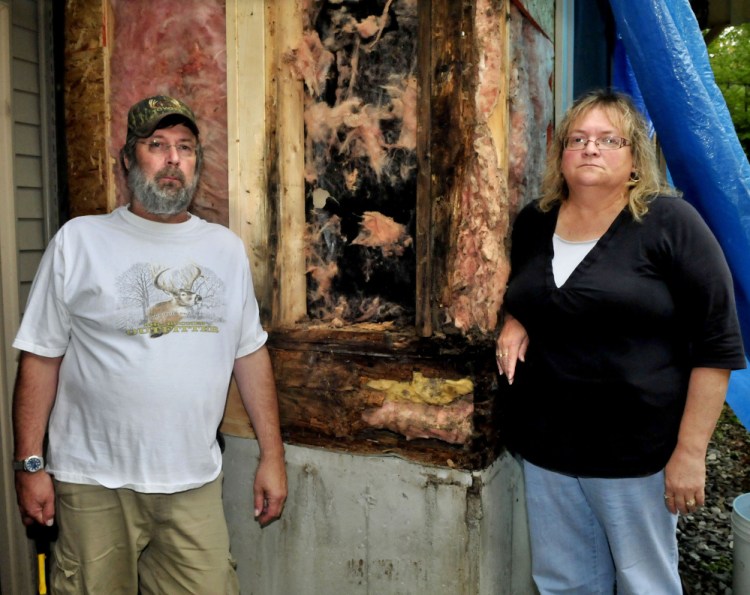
<point x="484" y="111"/>
<point x="478" y="105"/>
<point x="28" y="218"/>
<point x="35" y="183"/>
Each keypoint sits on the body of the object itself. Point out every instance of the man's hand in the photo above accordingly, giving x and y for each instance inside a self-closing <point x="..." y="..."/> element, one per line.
<point x="36" y="497"/>
<point x="270" y="489"/>
<point x="254" y="376"/>
<point x="33" y="397"/>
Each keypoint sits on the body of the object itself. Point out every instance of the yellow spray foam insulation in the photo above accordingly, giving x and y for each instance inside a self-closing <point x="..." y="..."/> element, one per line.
<point x="433" y="391"/>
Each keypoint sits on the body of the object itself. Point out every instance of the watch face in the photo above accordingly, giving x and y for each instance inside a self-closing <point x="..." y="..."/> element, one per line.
<point x="33" y="464"/>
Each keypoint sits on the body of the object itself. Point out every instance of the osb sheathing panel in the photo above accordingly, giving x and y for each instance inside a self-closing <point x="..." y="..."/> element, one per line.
<point x="86" y="112"/>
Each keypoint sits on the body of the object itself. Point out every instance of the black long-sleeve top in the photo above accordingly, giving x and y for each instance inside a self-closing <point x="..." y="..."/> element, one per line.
<point x="610" y="354"/>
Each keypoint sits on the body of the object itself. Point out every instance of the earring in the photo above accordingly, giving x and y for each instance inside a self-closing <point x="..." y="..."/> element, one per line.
<point x="635" y="177"/>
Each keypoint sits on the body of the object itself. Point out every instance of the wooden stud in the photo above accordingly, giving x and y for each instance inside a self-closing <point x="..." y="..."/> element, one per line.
<point x="424" y="238"/>
<point x="249" y="210"/>
<point x="499" y="120"/>
<point x="291" y="294"/>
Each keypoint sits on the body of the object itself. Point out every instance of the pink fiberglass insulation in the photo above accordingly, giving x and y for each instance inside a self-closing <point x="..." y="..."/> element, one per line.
<point x="380" y="231"/>
<point x="322" y="248"/>
<point x="450" y="423"/>
<point x="358" y="62"/>
<point x="531" y="108"/>
<point x="175" y="48"/>
<point x="324" y="245"/>
<point x="311" y="62"/>
<point x="478" y="266"/>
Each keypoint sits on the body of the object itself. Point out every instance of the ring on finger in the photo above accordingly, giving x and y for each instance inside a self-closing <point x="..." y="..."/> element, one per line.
<point x="690" y="502"/>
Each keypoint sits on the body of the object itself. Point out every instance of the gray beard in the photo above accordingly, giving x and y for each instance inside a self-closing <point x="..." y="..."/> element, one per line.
<point x="160" y="201"/>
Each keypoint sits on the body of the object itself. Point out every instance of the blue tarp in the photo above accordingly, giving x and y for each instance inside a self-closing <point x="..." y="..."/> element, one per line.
<point x="669" y="59"/>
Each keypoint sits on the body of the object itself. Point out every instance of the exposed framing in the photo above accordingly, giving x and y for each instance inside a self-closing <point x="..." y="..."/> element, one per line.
<point x="423" y="319"/>
<point x="499" y="120"/>
<point x="249" y="213"/>
<point x="265" y="121"/>
<point x="265" y="115"/>
<point x="290" y="300"/>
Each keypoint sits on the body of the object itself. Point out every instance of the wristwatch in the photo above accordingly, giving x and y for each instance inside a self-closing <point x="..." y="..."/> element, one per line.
<point x="30" y="464"/>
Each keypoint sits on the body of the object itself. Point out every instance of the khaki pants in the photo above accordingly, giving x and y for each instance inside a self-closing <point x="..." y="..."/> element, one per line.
<point x="117" y="541"/>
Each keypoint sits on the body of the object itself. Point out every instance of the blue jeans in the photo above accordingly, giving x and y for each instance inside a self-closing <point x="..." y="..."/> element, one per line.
<point x="588" y="534"/>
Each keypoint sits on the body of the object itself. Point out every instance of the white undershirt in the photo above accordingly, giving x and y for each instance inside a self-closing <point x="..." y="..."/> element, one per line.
<point x="567" y="256"/>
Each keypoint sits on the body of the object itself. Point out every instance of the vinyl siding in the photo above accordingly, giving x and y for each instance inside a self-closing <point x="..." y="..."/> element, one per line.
<point x="32" y="126"/>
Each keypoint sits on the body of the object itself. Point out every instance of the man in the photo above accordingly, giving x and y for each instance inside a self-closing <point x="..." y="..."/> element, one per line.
<point x="135" y="323"/>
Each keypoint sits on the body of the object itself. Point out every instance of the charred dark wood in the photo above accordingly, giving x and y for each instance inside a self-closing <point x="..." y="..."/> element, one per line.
<point x="323" y="378"/>
<point x="452" y="119"/>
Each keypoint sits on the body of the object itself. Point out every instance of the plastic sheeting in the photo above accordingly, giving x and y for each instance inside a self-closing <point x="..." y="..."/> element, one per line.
<point x="669" y="59"/>
<point x="623" y="79"/>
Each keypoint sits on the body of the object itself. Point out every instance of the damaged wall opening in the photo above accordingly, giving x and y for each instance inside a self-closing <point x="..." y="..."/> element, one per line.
<point x="359" y="63"/>
<point x="402" y="137"/>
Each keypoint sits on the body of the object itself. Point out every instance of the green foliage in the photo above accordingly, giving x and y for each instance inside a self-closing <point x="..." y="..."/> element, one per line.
<point x="722" y="564"/>
<point x="730" y="60"/>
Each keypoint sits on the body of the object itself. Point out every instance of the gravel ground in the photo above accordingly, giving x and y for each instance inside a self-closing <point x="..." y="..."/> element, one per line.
<point x="705" y="537"/>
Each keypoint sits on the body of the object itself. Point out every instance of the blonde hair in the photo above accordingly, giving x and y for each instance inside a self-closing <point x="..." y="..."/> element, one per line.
<point x="647" y="181"/>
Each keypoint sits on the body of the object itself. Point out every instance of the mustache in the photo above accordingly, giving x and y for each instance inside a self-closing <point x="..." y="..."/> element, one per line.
<point x="170" y="172"/>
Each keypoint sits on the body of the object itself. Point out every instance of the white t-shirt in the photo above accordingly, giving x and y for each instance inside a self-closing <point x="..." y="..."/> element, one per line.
<point x="567" y="256"/>
<point x="150" y="318"/>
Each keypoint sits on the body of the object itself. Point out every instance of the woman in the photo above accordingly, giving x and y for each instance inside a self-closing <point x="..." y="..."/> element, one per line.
<point x="619" y="334"/>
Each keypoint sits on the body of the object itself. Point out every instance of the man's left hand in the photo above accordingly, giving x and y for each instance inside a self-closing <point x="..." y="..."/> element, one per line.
<point x="270" y="489"/>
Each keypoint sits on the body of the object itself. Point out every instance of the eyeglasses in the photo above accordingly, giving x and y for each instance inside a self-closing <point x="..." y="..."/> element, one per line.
<point x="605" y="143"/>
<point x="158" y="147"/>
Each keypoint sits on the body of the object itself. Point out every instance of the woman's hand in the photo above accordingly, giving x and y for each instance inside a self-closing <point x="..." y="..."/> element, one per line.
<point x="685" y="473"/>
<point x="511" y="347"/>
<point x="684" y="481"/>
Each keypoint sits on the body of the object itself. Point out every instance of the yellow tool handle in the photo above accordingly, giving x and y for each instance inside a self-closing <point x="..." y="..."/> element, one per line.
<point x="41" y="558"/>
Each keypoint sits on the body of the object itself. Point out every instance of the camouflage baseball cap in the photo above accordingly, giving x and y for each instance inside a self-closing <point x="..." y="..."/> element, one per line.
<point x="145" y="115"/>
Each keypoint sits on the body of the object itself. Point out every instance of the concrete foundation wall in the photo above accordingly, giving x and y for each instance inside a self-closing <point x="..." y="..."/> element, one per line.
<point x="363" y="525"/>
